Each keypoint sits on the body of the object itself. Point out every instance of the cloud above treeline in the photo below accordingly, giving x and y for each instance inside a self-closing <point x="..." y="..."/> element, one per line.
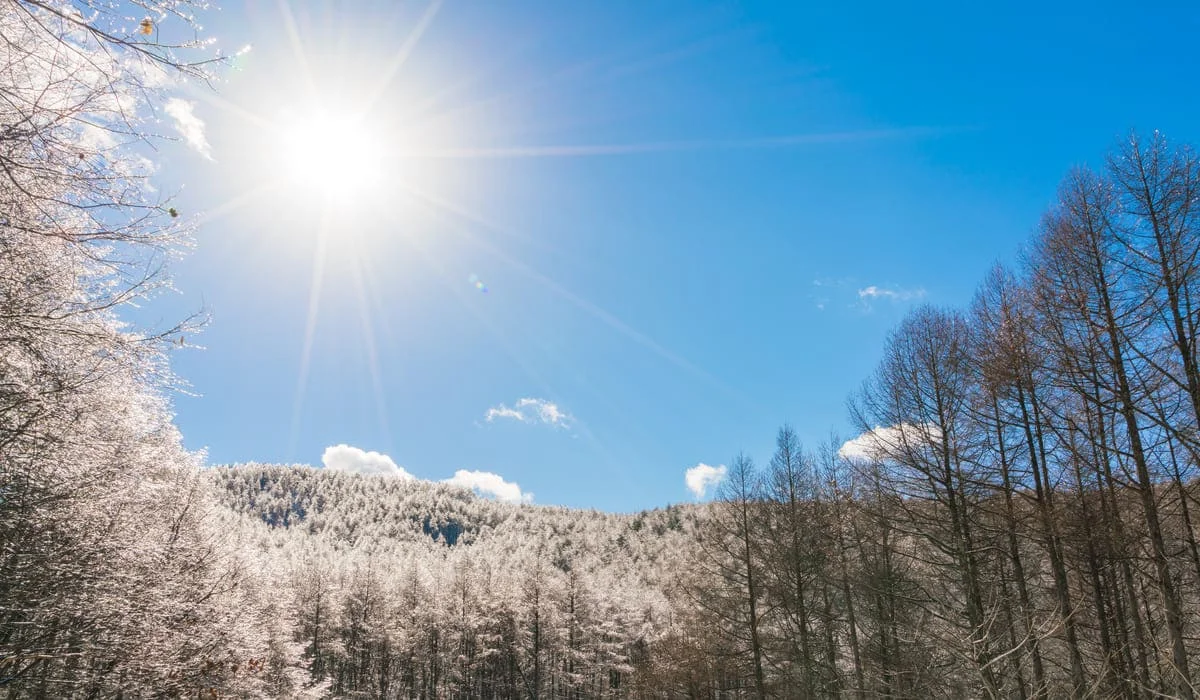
<point x="847" y="292"/>
<point x="701" y="478"/>
<point x="872" y="292"/>
<point x="346" y="458"/>
<point x="883" y="441"/>
<point x="532" y="411"/>
<point x="490" y="484"/>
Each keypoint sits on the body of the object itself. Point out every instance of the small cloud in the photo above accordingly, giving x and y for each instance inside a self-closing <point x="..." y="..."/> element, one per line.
<point x="866" y="294"/>
<point x="702" y="477"/>
<point x="189" y="126"/>
<point x="532" y="411"/>
<point x="489" y="484"/>
<point x="344" y="458"/>
<point x="836" y="292"/>
<point x="881" y="442"/>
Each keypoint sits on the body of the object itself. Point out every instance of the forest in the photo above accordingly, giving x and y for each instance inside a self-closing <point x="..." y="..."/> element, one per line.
<point x="1013" y="520"/>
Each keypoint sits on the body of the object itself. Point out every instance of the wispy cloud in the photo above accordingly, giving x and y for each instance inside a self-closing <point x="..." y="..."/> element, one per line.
<point x="867" y="294"/>
<point x="850" y="293"/>
<point x="189" y="126"/>
<point x="702" y="477"/>
<point x="345" y="458"/>
<point x="490" y="484"/>
<point x="533" y="411"/>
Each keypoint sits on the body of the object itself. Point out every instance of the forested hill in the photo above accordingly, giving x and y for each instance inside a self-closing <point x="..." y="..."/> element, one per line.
<point x="346" y="509"/>
<point x="405" y="586"/>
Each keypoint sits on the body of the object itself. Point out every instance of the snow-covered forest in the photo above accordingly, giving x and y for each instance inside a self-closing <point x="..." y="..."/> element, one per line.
<point x="1015" y="518"/>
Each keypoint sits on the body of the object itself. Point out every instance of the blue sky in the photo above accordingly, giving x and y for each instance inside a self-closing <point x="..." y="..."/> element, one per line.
<point x="694" y="221"/>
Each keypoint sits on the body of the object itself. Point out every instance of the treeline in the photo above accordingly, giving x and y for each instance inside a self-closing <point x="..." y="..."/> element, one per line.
<point x="1017" y="519"/>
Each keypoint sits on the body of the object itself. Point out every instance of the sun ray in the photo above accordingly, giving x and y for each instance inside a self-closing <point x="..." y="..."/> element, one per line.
<point x="371" y="287"/>
<point x="293" y="34"/>
<point x="212" y="99"/>
<point x="592" y="309"/>
<point x="455" y="285"/>
<point x="373" y="365"/>
<point x="239" y="202"/>
<point x="617" y="149"/>
<point x="485" y="102"/>
<point x="611" y="61"/>
<point x="423" y="107"/>
<point x="402" y="54"/>
<point x="666" y="57"/>
<point x="310" y="329"/>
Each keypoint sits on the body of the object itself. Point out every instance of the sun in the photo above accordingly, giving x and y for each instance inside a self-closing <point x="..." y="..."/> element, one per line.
<point x="337" y="158"/>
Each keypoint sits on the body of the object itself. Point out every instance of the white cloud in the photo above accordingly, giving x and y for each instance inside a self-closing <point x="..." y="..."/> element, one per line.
<point x="702" y="477"/>
<point x="864" y="447"/>
<point x="345" y="458"/>
<point x="189" y="126"/>
<point x="882" y="441"/>
<point x="530" y="410"/>
<point x="898" y="294"/>
<point x="490" y="484"/>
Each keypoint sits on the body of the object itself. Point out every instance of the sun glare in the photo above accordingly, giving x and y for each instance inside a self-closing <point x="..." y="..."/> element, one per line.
<point x="337" y="158"/>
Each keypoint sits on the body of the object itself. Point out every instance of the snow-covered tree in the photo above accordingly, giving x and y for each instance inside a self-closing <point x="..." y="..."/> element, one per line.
<point x="112" y="578"/>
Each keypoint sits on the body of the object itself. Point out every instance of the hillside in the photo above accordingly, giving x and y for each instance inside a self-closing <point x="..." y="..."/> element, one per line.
<point x="350" y="511"/>
<point x="404" y="583"/>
